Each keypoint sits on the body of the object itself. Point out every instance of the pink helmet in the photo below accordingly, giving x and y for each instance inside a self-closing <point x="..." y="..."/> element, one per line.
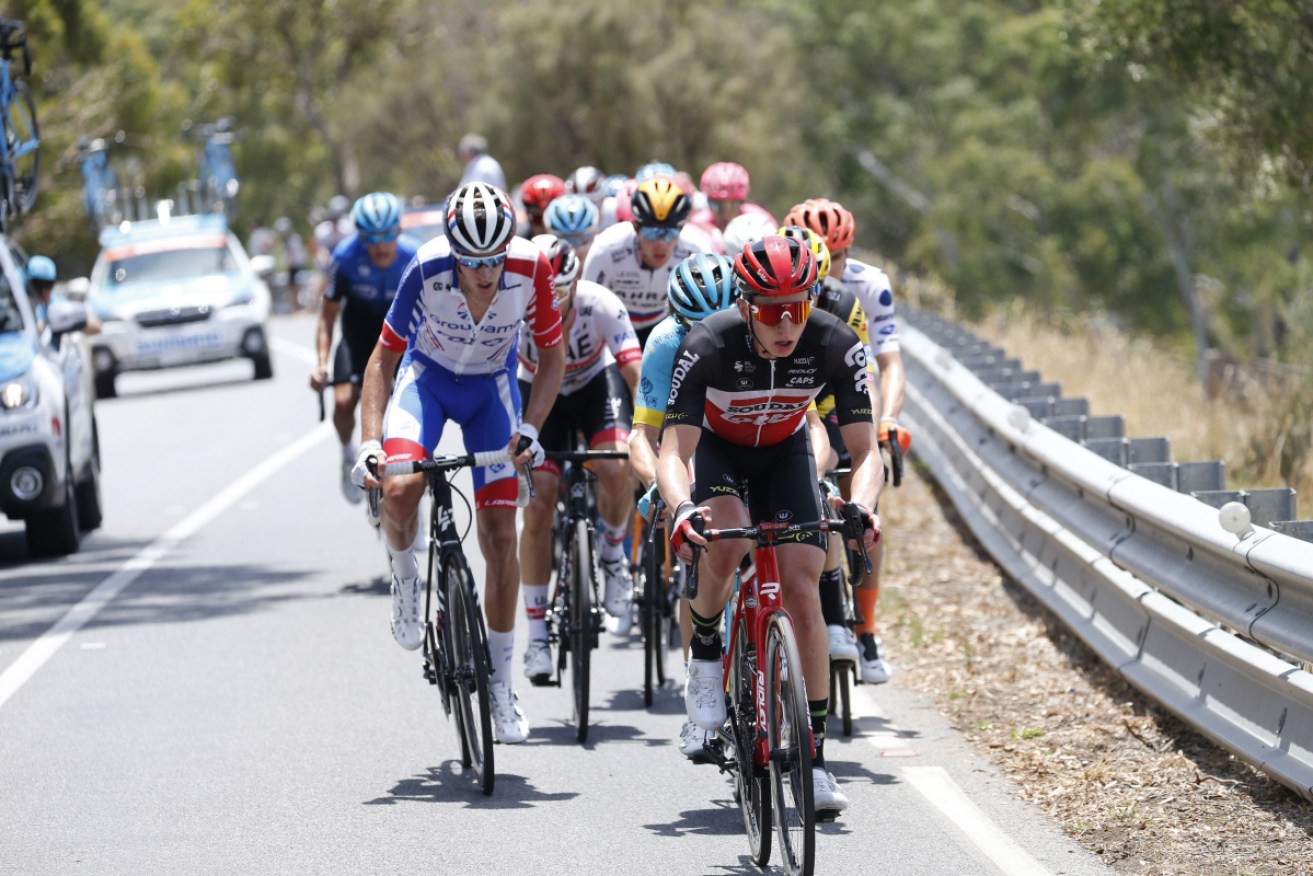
<point x="725" y="181"/>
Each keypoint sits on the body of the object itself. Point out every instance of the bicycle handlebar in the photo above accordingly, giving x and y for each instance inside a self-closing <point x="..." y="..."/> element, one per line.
<point x="584" y="455"/>
<point x="323" y="412"/>
<point x="895" y="459"/>
<point x="446" y="463"/>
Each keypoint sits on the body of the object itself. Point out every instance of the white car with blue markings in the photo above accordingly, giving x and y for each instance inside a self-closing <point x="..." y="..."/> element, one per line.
<point x="176" y="291"/>
<point x="49" y="451"/>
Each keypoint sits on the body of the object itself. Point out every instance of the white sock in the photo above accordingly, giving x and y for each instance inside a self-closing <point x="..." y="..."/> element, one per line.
<point x="535" y="608"/>
<point x="501" y="647"/>
<point x="350" y="451"/>
<point x="613" y="540"/>
<point x="404" y="565"/>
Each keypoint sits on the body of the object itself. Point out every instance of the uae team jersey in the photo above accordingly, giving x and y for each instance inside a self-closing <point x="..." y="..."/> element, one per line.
<point x="721" y="384"/>
<point x="431" y="315"/>
<point x="613" y="262"/>
<point x="599" y="333"/>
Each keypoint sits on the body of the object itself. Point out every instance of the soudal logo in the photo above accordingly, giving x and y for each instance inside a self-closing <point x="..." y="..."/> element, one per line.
<point x="686" y="362"/>
<point x="763" y="407"/>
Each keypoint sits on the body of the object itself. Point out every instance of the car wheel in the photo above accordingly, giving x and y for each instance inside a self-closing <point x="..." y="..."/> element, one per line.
<point x="264" y="367"/>
<point x="105" y="385"/>
<point x="88" y="489"/>
<point x="55" y="533"/>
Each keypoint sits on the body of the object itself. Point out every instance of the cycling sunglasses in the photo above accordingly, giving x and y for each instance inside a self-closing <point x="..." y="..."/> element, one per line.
<point x="658" y="232"/>
<point x="476" y="262"/>
<point x="773" y="314"/>
<point x="374" y="238"/>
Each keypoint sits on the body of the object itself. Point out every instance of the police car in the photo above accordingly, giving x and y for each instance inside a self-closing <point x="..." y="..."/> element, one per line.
<point x="176" y="291"/>
<point x="49" y="452"/>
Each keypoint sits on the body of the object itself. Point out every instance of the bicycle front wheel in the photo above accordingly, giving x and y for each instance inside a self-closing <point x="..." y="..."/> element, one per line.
<point x="651" y="614"/>
<point x="751" y="783"/>
<point x="22" y="139"/>
<point x="788" y="732"/>
<point x="583" y="571"/>
<point x="469" y="661"/>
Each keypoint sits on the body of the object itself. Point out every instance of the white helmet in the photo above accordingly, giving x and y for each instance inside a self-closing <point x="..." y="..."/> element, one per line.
<point x="480" y="219"/>
<point x="744" y="229"/>
<point x="587" y="181"/>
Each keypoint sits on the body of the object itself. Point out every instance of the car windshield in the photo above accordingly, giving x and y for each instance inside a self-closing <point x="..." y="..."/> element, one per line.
<point x="11" y="318"/>
<point x="171" y="264"/>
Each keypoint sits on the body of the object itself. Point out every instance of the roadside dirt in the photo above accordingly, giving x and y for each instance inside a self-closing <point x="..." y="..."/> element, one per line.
<point x="1128" y="780"/>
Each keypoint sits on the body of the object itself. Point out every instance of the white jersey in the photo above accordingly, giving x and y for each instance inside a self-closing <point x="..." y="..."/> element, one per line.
<point x="430" y="313"/>
<point x="613" y="261"/>
<point x="871" y="287"/>
<point x="598" y="333"/>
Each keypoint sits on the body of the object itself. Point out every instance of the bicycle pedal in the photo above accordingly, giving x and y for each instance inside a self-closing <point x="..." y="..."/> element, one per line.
<point x="543" y="681"/>
<point x="826" y="816"/>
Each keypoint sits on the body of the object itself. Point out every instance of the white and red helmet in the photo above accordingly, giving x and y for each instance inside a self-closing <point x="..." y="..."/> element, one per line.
<point x="725" y="181"/>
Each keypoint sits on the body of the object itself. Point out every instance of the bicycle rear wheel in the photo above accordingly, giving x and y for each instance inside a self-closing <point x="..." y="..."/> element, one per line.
<point x="788" y="731"/>
<point x="469" y="661"/>
<point x="652" y="615"/>
<point x="583" y="572"/>
<point x="22" y="139"/>
<point x="751" y="786"/>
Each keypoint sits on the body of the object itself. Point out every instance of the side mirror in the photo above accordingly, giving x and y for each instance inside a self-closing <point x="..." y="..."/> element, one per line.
<point x="263" y="265"/>
<point x="66" y="316"/>
<point x="77" y="289"/>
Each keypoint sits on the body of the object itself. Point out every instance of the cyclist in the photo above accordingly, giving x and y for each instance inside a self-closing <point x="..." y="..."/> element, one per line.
<point x="634" y="259"/>
<point x="536" y="193"/>
<point x="699" y="286"/>
<point x="363" y="277"/>
<point x="329" y="231"/>
<point x="589" y="182"/>
<point x="574" y="219"/>
<point x="872" y="289"/>
<point x="451" y="330"/>
<point x="725" y="186"/>
<point x="601" y="375"/>
<point x="744" y="229"/>
<point x="742" y="383"/>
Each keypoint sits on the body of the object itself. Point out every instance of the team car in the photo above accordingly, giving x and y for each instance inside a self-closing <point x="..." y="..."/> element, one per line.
<point x="424" y="222"/>
<point x="49" y="448"/>
<point x="176" y="291"/>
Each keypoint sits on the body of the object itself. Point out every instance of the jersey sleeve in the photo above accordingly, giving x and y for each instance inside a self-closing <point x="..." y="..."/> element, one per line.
<point x="654" y="380"/>
<point x="338" y="283"/>
<point x="403" y="315"/>
<point x="613" y="322"/>
<point x="544" y="316"/>
<point x="846" y="375"/>
<point x="692" y="374"/>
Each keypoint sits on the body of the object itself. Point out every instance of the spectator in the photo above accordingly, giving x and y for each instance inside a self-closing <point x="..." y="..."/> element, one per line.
<point x="479" y="165"/>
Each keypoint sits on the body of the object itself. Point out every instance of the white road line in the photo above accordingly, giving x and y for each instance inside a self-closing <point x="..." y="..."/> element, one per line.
<point x="36" y="654"/>
<point x="296" y="351"/>
<point x="938" y="787"/>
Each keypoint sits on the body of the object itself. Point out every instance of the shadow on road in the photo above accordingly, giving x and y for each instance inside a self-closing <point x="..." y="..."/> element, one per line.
<point x="449" y="784"/>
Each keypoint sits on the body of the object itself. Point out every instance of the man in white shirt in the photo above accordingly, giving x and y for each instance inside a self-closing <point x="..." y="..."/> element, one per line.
<point x="479" y="165"/>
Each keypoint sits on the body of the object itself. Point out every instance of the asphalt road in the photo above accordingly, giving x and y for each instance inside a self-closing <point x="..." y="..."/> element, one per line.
<point x="209" y="686"/>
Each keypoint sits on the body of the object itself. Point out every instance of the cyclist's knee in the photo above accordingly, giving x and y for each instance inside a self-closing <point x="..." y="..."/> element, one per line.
<point x="402" y="493"/>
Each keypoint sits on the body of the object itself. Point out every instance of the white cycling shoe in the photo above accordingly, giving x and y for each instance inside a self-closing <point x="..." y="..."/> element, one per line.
<point x="508" y="722"/>
<point x="874" y="668"/>
<point x="405" y="613"/>
<point x="704" y="694"/>
<point x="826" y="796"/>
<point x="350" y="491"/>
<point x="693" y="741"/>
<point x="843" y="644"/>
<point x="538" y="662"/>
<point x="619" y="587"/>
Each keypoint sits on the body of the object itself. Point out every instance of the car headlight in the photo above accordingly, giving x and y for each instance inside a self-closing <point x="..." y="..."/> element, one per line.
<point x="20" y="392"/>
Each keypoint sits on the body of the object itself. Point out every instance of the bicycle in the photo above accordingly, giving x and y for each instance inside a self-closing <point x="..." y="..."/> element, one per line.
<point x="657" y="594"/>
<point x="766" y="740"/>
<point x="455" y="645"/>
<point x="100" y="186"/>
<point x="574" y="620"/>
<point x="20" y="157"/>
<point x="843" y="672"/>
<point x="217" y="175"/>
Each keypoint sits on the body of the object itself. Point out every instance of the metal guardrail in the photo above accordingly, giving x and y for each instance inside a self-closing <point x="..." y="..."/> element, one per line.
<point x="1212" y="625"/>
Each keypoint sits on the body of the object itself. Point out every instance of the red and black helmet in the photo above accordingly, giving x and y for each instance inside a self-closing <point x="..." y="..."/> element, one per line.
<point x="540" y="190"/>
<point x="775" y="265"/>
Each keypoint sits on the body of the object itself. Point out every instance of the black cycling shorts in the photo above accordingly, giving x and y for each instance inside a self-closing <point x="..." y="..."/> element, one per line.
<point x="776" y="482"/>
<point x="601" y="409"/>
<point x="354" y="348"/>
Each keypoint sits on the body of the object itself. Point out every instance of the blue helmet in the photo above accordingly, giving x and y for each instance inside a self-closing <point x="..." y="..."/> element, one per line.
<point x="700" y="285"/>
<point x="654" y="168"/>
<point x="377" y="213"/>
<point x="615" y="183"/>
<point x="40" y="267"/>
<point x="573" y="217"/>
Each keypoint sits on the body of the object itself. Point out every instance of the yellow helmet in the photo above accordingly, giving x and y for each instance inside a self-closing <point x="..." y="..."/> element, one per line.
<point x="658" y="200"/>
<point x="813" y="242"/>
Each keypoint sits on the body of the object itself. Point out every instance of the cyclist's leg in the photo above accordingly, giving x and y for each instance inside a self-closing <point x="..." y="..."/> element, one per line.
<point x="536" y="546"/>
<point x="604" y="413"/>
<point x="842" y="643"/>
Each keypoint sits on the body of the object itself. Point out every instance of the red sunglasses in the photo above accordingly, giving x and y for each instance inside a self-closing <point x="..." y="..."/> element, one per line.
<point x="773" y="314"/>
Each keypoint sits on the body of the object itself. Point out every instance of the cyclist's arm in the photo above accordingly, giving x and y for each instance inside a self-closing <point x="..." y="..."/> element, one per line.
<point x="642" y="452"/>
<point x="867" y="468"/>
<point x="893" y="382"/>
<point x="820" y="440"/>
<point x="677" y="446"/>
<point x="546" y="384"/>
<point x="377" y="392"/>
<point x="328" y="313"/>
<point x="544" y="319"/>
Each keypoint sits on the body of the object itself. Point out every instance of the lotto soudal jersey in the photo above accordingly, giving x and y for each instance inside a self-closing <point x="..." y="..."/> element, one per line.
<point x="431" y="315"/>
<point x="721" y="384"/>
<point x="598" y="332"/>
<point x="874" y="293"/>
<point x="364" y="289"/>
<point x="613" y="262"/>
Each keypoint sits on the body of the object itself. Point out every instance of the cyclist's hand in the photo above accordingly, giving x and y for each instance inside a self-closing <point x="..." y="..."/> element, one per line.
<point x="870" y="526"/>
<point x="532" y="452"/>
<point x="890" y="425"/>
<point x="319" y="378"/>
<point x="360" y="474"/>
<point x="645" y="502"/>
<point x="685" y="529"/>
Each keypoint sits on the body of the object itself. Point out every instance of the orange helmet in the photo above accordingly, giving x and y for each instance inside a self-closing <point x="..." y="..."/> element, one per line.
<point x="827" y="218"/>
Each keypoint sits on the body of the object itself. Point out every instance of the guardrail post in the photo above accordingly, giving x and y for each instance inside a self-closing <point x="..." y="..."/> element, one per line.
<point x="1192" y="477"/>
